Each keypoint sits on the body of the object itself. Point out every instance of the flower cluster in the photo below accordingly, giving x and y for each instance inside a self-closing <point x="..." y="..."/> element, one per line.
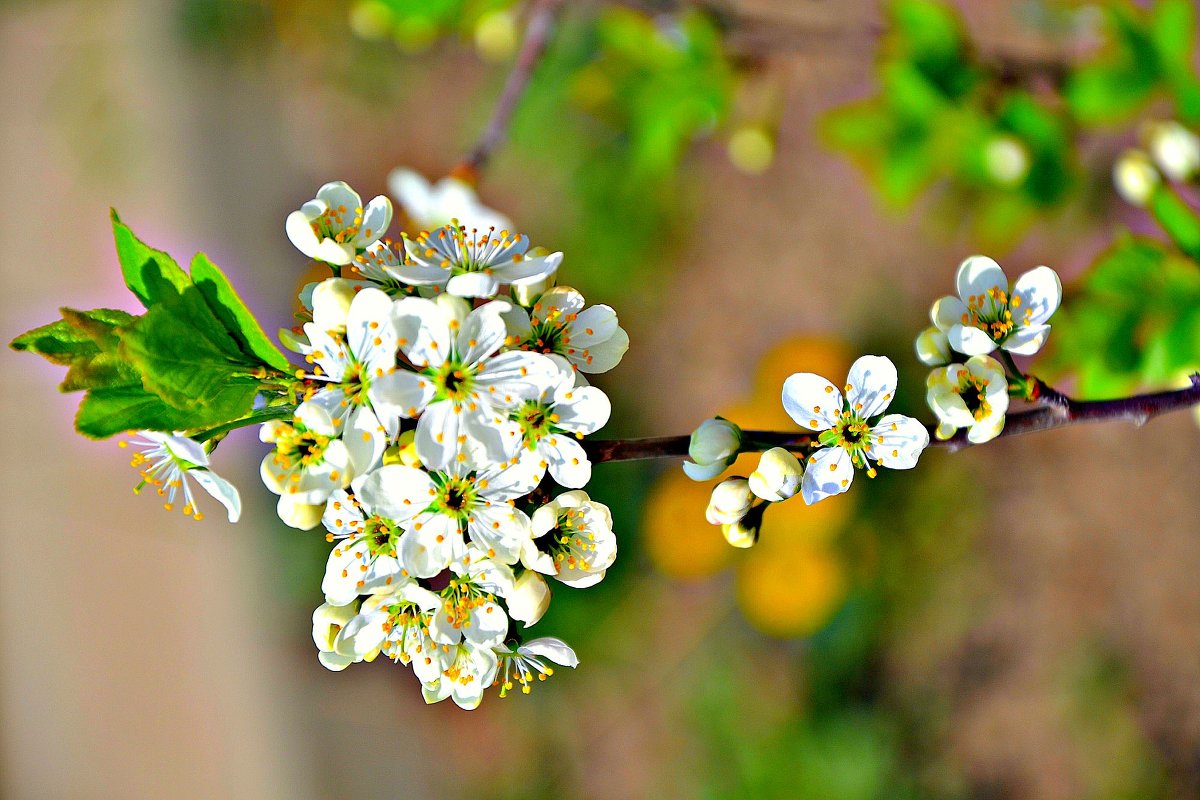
<point x="1170" y="150"/>
<point x="968" y="388"/>
<point x="852" y="433"/>
<point x="432" y="421"/>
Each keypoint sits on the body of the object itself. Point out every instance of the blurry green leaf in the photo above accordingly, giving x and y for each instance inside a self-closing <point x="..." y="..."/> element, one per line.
<point x="929" y="35"/>
<point x="233" y="314"/>
<point x="1178" y="220"/>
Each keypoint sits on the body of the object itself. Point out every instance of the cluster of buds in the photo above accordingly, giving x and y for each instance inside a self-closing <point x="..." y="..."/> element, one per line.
<point x="443" y="402"/>
<point x="1168" y="150"/>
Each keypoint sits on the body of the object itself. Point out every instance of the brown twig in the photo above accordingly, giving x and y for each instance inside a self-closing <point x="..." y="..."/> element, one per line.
<point x="1056" y="410"/>
<point x="537" y="36"/>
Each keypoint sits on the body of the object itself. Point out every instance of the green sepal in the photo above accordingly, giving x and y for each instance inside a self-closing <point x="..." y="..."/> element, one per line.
<point x="229" y="309"/>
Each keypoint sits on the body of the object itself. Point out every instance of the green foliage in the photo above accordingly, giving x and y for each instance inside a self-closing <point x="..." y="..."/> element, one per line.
<point x="195" y="359"/>
<point x="941" y="118"/>
<point x="1134" y="321"/>
<point x="415" y="24"/>
<point x="1148" y="53"/>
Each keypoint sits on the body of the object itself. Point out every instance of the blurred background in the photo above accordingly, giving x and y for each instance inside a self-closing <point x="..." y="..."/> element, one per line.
<point x="758" y="188"/>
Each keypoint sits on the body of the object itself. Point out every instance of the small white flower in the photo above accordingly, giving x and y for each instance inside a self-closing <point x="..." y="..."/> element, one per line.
<point x="847" y="437"/>
<point x="1175" y="149"/>
<point x="368" y="523"/>
<point x="1135" y="177"/>
<point x="972" y="395"/>
<point x="713" y="447"/>
<point x="334" y="226"/>
<point x="328" y="621"/>
<point x="530" y="659"/>
<point x="431" y="206"/>
<point x="470" y="671"/>
<point x="529" y="598"/>
<point x="551" y="423"/>
<point x="460" y="380"/>
<point x="396" y="622"/>
<point x="731" y="500"/>
<point x="777" y="477"/>
<point x="309" y="461"/>
<point x="572" y="539"/>
<point x="465" y="504"/>
<point x="469" y="607"/>
<point x="933" y="347"/>
<point x="472" y="262"/>
<point x="590" y="338"/>
<point x="168" y="462"/>
<point x="986" y="315"/>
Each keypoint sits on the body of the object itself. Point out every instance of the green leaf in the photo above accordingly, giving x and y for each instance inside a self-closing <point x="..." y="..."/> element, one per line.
<point x="59" y="342"/>
<point x="107" y="412"/>
<point x="150" y="274"/>
<point x="100" y="324"/>
<point x="233" y="314"/>
<point x="1177" y="219"/>
<point x="186" y="370"/>
<point x="102" y="371"/>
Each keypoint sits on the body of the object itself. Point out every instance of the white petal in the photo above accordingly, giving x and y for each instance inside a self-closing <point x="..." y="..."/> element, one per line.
<point x="489" y="624"/>
<point x="977" y="275"/>
<point x="438" y="432"/>
<point x="1026" y="340"/>
<point x="554" y="649"/>
<point x="812" y="401"/>
<point x="871" y="385"/>
<point x="593" y="326"/>
<point x="500" y="530"/>
<point x="561" y="301"/>
<point x="370" y="331"/>
<point x="1039" y="290"/>
<point x="377" y="216"/>
<point x="569" y="465"/>
<point x="302" y="516"/>
<point x="423" y="331"/>
<point x="473" y="284"/>
<point x="181" y="447"/>
<point x="947" y="312"/>
<point x="897" y="441"/>
<point x="394" y="491"/>
<point x="300" y="231"/>
<point x="969" y="340"/>
<point x="339" y="195"/>
<point x="529" y="598"/>
<point x="365" y="440"/>
<point x="420" y="551"/>
<point x="582" y="409"/>
<point x="399" y="394"/>
<point x="482" y="333"/>
<point x="703" y="472"/>
<point x="603" y="356"/>
<point x="828" y="472"/>
<point x="316" y="419"/>
<point x="222" y="490"/>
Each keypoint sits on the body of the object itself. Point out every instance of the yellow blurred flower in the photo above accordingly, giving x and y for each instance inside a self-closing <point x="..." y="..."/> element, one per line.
<point x="791" y="582"/>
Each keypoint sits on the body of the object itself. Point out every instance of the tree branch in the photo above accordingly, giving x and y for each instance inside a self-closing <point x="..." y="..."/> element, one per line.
<point x="537" y="36"/>
<point x="1057" y="410"/>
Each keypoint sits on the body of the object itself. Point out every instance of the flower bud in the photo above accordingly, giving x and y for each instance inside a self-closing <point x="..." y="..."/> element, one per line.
<point x="529" y="598"/>
<point x="404" y="451"/>
<point x="730" y="501"/>
<point x="713" y="447"/>
<point x="1135" y="177"/>
<point x="1175" y="149"/>
<point x="740" y="535"/>
<point x="777" y="477"/>
<point x="331" y="301"/>
<point x="1007" y="159"/>
<point x="328" y="621"/>
<point x="933" y="348"/>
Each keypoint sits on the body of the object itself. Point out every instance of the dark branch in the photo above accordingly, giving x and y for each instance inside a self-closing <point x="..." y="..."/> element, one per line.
<point x="1056" y="411"/>
<point x="537" y="36"/>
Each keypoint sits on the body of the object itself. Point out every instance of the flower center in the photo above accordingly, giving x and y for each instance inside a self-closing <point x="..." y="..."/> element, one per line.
<point x="355" y="383"/>
<point x="571" y="544"/>
<point x="331" y="224"/>
<point x="992" y="313"/>
<point x="453" y="381"/>
<point x="548" y="336"/>
<point x="536" y="421"/>
<point x="460" y="598"/>
<point x="300" y="447"/>
<point x="456" y="497"/>
<point x="973" y="391"/>
<point x="381" y="536"/>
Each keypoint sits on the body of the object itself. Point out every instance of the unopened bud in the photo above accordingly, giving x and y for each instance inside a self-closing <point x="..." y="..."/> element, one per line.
<point x="1135" y="177"/>
<point x="529" y="599"/>
<point x="933" y="348"/>
<point x="331" y="303"/>
<point x="730" y="501"/>
<point x="777" y="477"/>
<point x="713" y="447"/>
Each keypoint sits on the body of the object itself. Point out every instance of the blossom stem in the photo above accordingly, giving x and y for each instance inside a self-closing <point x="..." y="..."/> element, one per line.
<point x="537" y="37"/>
<point x="253" y="418"/>
<point x="1056" y="410"/>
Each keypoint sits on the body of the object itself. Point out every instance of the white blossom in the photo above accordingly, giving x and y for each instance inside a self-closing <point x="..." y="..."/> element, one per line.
<point x="1176" y="150"/>
<point x="848" y="439"/>
<point x="335" y="226"/>
<point x="432" y="205"/>
<point x="396" y="623"/>
<point x="589" y="338"/>
<point x="572" y="540"/>
<point x="987" y="315"/>
<point x="472" y="262"/>
<point x="1135" y="177"/>
<point x="308" y="464"/>
<point x="973" y="395"/>
<point x="328" y="621"/>
<point x="469" y="672"/>
<point x="169" y="462"/>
